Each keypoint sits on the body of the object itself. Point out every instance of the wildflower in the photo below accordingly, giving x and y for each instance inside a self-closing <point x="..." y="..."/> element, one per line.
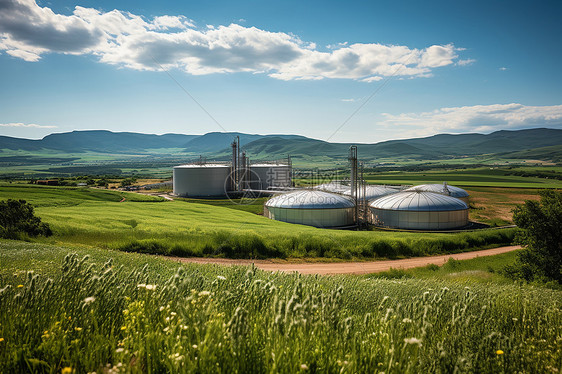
<point x="204" y="293"/>
<point x="407" y="320"/>
<point x="499" y="352"/>
<point x="1" y="340"/>
<point x="150" y="287"/>
<point x="89" y="300"/>
<point x="123" y="328"/>
<point x="142" y="285"/>
<point x="304" y="367"/>
<point x="119" y="350"/>
<point x="20" y="285"/>
<point x="66" y="370"/>
<point x="413" y="341"/>
<point x="161" y="308"/>
<point x="220" y="277"/>
<point x="173" y="314"/>
<point x="78" y="328"/>
<point x="194" y="346"/>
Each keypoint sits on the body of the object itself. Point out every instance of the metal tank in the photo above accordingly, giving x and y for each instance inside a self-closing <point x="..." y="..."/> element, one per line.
<point x="444" y="189"/>
<point x="201" y="180"/>
<point x="418" y="210"/>
<point x="265" y="176"/>
<point x="374" y="192"/>
<point x="312" y="208"/>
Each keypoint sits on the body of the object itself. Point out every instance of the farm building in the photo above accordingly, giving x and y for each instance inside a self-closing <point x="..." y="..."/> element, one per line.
<point x="443" y="189"/>
<point x="312" y="208"/>
<point x="418" y="210"/>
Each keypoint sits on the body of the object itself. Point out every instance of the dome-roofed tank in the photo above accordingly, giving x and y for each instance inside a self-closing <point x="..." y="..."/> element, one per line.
<point x="443" y="189"/>
<point x="373" y="192"/>
<point x="418" y="210"/>
<point x="335" y="187"/>
<point x="312" y="208"/>
<point x="201" y="180"/>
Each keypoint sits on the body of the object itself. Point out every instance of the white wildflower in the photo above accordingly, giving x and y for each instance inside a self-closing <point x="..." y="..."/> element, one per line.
<point x="151" y="287"/>
<point x="407" y="320"/>
<point x="304" y="367"/>
<point x="204" y="293"/>
<point x="89" y="300"/>
<point x="413" y="341"/>
<point x="220" y="277"/>
<point x="119" y="350"/>
<point x="142" y="285"/>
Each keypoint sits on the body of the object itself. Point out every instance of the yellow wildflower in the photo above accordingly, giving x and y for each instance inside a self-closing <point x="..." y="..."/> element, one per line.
<point x="499" y="352"/>
<point x="78" y="328"/>
<point x="66" y="370"/>
<point x="20" y="285"/>
<point x="1" y="340"/>
<point x="123" y="327"/>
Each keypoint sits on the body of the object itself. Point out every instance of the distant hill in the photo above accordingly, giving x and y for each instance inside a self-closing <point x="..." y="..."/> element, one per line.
<point x="217" y="145"/>
<point x="100" y="141"/>
<point x="216" y="141"/>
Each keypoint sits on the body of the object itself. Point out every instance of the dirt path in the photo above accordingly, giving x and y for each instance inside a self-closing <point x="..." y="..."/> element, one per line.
<point x="349" y="267"/>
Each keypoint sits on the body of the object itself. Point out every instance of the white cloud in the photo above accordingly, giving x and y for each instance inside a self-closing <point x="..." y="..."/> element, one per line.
<point x="28" y="31"/>
<point x="503" y="68"/>
<point x="478" y="118"/>
<point x="32" y="125"/>
<point x="468" y="61"/>
<point x="348" y="100"/>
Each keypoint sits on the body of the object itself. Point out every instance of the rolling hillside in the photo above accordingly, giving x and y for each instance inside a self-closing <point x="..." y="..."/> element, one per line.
<point x="540" y="143"/>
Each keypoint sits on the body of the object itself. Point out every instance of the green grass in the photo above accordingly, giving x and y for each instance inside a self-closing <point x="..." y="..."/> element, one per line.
<point x="136" y="313"/>
<point x="486" y="269"/>
<point x="152" y="225"/>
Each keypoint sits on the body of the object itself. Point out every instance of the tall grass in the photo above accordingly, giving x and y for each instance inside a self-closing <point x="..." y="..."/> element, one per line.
<point x="118" y="317"/>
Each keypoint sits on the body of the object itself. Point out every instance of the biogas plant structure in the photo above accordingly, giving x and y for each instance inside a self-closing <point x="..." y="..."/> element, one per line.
<point x="339" y="203"/>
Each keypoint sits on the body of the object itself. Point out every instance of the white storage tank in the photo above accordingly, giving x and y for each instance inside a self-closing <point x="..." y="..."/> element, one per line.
<point x="201" y="180"/>
<point x="443" y="189"/>
<point x="312" y="208"/>
<point x="264" y="176"/>
<point x="373" y="192"/>
<point x="335" y="187"/>
<point x="417" y="210"/>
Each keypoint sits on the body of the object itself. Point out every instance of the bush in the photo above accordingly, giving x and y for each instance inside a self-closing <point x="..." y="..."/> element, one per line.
<point x="17" y="218"/>
<point x="541" y="259"/>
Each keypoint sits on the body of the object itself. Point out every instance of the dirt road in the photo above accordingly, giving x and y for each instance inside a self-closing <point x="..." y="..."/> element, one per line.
<point x="349" y="267"/>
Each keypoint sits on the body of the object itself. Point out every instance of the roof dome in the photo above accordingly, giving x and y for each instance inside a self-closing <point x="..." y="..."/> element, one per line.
<point x="333" y="187"/>
<point x="309" y="199"/>
<point x="374" y="192"/>
<point x="419" y="201"/>
<point x="443" y="189"/>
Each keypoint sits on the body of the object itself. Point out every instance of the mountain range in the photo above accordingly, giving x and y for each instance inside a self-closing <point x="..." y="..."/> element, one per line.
<point x="216" y="144"/>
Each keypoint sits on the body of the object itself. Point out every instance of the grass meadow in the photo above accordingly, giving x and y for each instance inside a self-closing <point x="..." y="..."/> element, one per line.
<point x="150" y="224"/>
<point x="83" y="309"/>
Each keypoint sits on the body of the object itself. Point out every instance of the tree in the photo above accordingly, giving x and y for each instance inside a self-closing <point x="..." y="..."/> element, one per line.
<point x="17" y="218"/>
<point x="541" y="236"/>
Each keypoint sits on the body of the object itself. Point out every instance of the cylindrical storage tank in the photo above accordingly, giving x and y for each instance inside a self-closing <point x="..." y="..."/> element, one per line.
<point x="333" y="187"/>
<point x="264" y="176"/>
<point x="206" y="180"/>
<point x="374" y="192"/>
<point x="443" y="189"/>
<point x="417" y="210"/>
<point x="312" y="208"/>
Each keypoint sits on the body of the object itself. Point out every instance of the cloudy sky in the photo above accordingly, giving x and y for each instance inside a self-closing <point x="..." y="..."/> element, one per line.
<point x="359" y="71"/>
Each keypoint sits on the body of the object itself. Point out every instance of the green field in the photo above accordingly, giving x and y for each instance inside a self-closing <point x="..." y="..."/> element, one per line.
<point x="138" y="313"/>
<point x="149" y="224"/>
<point x="490" y="177"/>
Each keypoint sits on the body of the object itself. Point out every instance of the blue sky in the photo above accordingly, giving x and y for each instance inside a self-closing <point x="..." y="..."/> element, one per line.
<point x="300" y="67"/>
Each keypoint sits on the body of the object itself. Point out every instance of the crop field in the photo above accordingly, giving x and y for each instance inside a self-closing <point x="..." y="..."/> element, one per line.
<point x="106" y="311"/>
<point x="483" y="177"/>
<point x="140" y="223"/>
